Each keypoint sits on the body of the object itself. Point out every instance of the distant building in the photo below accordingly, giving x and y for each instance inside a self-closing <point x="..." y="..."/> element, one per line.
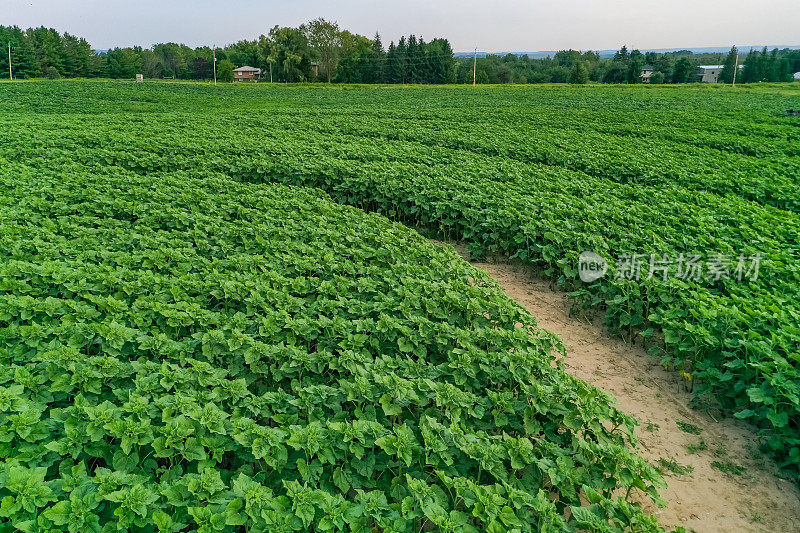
<point x="647" y="71"/>
<point x="246" y="73"/>
<point x="710" y="73"/>
<point x="315" y="69"/>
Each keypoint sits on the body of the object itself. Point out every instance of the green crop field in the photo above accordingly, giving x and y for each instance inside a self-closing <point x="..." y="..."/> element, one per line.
<point x="217" y="312"/>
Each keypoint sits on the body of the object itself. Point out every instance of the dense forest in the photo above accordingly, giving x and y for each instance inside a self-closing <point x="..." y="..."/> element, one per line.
<point x="284" y="55"/>
<point x="570" y="66"/>
<point x="289" y="54"/>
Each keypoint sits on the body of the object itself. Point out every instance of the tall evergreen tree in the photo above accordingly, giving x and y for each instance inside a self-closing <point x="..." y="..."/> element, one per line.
<point x="79" y="53"/>
<point x="730" y="66"/>
<point x="635" y="64"/>
<point x="377" y="72"/>
<point x="49" y="49"/>
<point x="763" y="65"/>
<point x="578" y="75"/>
<point x="622" y="55"/>
<point x="414" y="60"/>
<point x="392" y="64"/>
<point x="776" y="67"/>
<point x="443" y="64"/>
<point x="683" y="72"/>
<point x="23" y="57"/>
<point x="401" y="53"/>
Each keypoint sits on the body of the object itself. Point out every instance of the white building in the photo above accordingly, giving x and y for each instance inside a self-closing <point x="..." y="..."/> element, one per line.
<point x="710" y="73"/>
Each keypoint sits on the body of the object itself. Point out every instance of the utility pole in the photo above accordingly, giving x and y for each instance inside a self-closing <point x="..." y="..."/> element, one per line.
<point x="735" y="67"/>
<point x="475" y="67"/>
<point x="10" y="76"/>
<point x="215" y="64"/>
<point x="270" y="71"/>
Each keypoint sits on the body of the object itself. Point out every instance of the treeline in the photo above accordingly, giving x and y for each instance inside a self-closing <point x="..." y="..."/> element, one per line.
<point x="285" y="54"/>
<point x="38" y="52"/>
<point x="321" y="51"/>
<point x="775" y="65"/>
<point x="571" y="66"/>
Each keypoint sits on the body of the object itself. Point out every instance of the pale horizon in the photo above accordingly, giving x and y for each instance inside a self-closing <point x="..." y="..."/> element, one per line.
<point x="514" y="26"/>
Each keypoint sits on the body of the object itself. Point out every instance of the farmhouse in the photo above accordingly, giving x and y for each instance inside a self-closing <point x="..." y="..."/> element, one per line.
<point x="647" y="71"/>
<point x="709" y="73"/>
<point x="246" y="73"/>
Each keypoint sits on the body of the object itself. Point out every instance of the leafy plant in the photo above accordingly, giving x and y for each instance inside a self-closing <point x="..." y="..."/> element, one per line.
<point x="697" y="447"/>
<point x="729" y="467"/>
<point x="686" y="427"/>
<point x="667" y="466"/>
<point x="188" y="353"/>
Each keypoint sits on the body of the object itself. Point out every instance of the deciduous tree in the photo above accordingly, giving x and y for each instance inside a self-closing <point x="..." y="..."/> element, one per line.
<point x="325" y="40"/>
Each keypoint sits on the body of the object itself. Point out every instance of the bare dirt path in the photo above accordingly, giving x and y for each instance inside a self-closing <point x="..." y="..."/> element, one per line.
<point x="700" y="496"/>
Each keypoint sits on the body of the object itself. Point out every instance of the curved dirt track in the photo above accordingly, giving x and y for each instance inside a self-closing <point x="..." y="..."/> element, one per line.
<point x="700" y="496"/>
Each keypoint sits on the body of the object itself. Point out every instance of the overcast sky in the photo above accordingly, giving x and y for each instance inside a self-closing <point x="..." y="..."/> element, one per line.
<point x="510" y="25"/>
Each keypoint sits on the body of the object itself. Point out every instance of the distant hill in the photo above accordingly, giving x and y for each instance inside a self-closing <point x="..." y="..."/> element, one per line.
<point x="610" y="53"/>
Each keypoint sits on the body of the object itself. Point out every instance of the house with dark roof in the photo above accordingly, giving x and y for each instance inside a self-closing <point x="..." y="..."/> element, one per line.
<point x="246" y="73"/>
<point x="647" y="71"/>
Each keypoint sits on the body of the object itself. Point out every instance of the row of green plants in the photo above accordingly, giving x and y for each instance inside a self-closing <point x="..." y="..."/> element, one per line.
<point x="748" y="152"/>
<point x="182" y="352"/>
<point x="734" y="339"/>
<point x="638" y="158"/>
<point x="434" y="164"/>
<point x="737" y="340"/>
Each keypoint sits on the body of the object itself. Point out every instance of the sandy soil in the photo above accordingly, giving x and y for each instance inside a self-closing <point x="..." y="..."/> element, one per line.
<point x="704" y="498"/>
